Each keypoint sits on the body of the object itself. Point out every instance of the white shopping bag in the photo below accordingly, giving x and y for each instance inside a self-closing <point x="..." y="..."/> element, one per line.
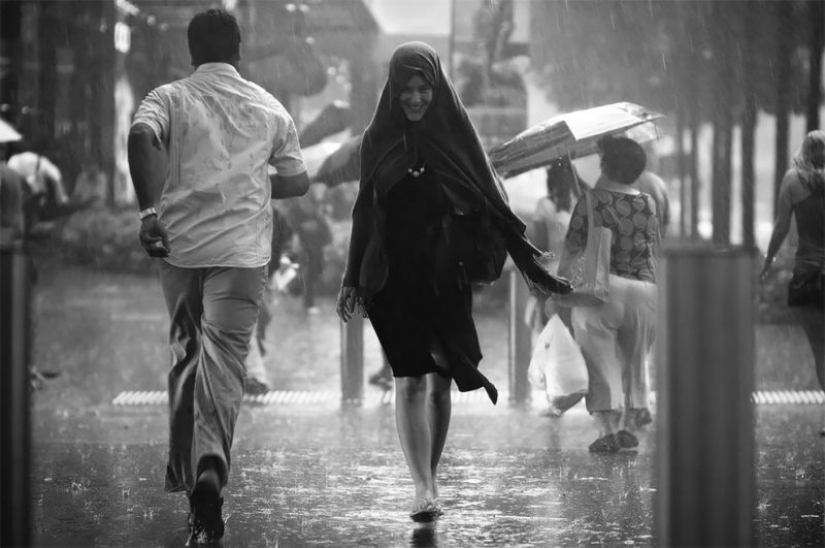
<point x="558" y="365"/>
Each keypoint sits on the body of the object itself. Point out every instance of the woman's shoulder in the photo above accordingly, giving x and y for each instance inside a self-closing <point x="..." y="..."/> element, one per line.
<point x="793" y="184"/>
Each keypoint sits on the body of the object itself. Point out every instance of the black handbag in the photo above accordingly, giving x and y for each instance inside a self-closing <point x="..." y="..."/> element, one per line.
<point x="476" y="245"/>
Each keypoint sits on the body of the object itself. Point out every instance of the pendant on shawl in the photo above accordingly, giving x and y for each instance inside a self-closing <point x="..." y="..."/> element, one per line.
<point x="416" y="172"/>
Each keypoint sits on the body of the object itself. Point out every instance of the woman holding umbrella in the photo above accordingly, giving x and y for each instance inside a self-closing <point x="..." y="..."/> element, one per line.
<point x="426" y="189"/>
<point x="616" y="336"/>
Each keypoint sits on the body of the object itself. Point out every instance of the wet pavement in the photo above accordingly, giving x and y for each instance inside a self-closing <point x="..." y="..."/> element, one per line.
<point x="314" y="473"/>
<point x="322" y="475"/>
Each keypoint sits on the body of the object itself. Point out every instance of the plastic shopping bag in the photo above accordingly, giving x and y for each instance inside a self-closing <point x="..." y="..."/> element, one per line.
<point x="557" y="364"/>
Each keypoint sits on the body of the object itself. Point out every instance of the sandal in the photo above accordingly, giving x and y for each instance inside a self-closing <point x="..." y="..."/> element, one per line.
<point x="605" y="444"/>
<point x="626" y="440"/>
<point x="426" y="511"/>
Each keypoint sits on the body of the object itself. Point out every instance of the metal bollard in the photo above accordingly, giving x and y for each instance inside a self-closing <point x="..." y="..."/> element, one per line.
<point x="519" y="340"/>
<point x="15" y="271"/>
<point x="705" y="429"/>
<point x="352" y="361"/>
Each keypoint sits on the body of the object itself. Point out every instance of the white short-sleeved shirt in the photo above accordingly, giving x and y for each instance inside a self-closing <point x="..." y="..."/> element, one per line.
<point x="221" y="132"/>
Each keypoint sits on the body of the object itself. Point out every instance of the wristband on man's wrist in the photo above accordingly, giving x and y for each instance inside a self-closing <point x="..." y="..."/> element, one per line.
<point x="146" y="212"/>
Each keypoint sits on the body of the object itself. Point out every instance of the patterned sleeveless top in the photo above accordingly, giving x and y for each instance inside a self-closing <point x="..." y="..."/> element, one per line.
<point x="635" y="226"/>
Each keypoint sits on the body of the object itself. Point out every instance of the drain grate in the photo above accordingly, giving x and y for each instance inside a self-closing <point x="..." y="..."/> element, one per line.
<point x="302" y="397"/>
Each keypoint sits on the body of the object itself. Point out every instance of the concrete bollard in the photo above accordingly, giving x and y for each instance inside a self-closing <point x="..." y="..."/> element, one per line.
<point x="15" y="327"/>
<point x="352" y="361"/>
<point x="520" y="344"/>
<point x="705" y="429"/>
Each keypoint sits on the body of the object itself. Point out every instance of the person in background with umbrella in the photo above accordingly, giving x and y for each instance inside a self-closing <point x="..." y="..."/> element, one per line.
<point x="802" y="195"/>
<point x="552" y="218"/>
<point x="423" y="172"/>
<point x="307" y="215"/>
<point x="616" y="336"/>
<point x="549" y="227"/>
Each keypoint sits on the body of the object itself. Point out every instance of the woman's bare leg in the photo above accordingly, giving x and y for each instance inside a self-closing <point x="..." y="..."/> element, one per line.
<point x="439" y="411"/>
<point x="414" y="433"/>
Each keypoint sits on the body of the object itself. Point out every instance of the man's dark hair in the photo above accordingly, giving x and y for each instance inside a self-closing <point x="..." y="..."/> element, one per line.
<point x="214" y="37"/>
<point x="623" y="158"/>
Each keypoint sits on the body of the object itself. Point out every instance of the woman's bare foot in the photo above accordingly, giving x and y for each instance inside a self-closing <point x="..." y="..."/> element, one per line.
<point x="426" y="510"/>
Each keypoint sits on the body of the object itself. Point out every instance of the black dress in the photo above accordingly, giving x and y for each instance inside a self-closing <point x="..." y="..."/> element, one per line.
<point x="423" y="299"/>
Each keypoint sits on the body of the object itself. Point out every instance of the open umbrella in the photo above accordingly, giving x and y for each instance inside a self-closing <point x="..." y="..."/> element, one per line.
<point x="8" y="133"/>
<point x="341" y="166"/>
<point x="574" y="134"/>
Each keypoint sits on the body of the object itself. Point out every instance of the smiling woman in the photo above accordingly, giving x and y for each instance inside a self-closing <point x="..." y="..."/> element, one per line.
<point x="415" y="98"/>
<point x="412" y="260"/>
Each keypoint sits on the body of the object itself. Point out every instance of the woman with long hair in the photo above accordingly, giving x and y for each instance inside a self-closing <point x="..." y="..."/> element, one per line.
<point x="802" y="195"/>
<point x="424" y="179"/>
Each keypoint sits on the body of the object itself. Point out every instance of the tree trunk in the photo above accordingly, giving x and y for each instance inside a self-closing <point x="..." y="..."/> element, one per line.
<point x="680" y="162"/>
<point x="695" y="184"/>
<point x="817" y="18"/>
<point x="724" y="67"/>
<point x="784" y="36"/>
<point x="721" y="184"/>
<point x="49" y="27"/>
<point x="749" y="114"/>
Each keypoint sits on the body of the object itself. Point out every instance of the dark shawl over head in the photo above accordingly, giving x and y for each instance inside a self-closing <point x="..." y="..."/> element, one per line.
<point x="446" y="142"/>
<point x="444" y="139"/>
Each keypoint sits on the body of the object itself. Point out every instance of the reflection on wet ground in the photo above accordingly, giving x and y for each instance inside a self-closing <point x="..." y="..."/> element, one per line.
<point x="330" y="477"/>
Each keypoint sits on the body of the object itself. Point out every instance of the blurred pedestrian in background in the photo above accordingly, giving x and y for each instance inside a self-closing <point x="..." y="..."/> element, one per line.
<point x="424" y="174"/>
<point x="257" y="379"/>
<point x="383" y="377"/>
<point x="308" y="218"/>
<point x="802" y="195"/>
<point x="46" y="194"/>
<point x="550" y="223"/>
<point x="616" y="336"/>
<point x="90" y="187"/>
<point x="14" y="192"/>
<point x="211" y="222"/>
<point x="549" y="227"/>
<point x="650" y="183"/>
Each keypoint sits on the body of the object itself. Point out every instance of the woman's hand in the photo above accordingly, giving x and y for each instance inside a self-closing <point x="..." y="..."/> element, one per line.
<point x="766" y="270"/>
<point x="347" y="302"/>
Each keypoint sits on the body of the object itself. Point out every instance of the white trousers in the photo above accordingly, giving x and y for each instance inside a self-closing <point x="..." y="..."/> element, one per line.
<point x="615" y="338"/>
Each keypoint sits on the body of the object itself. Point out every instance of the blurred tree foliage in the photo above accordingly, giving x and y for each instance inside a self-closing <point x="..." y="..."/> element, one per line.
<point x="703" y="61"/>
<point x="490" y="77"/>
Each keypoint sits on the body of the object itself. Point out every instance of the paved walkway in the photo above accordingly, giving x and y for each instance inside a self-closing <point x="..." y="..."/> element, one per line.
<point x="318" y="475"/>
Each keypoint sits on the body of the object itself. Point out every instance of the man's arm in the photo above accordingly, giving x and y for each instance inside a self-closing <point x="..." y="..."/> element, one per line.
<point x="146" y="158"/>
<point x="289" y="186"/>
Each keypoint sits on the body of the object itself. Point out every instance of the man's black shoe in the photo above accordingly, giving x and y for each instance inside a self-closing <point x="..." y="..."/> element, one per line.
<point x="206" y="522"/>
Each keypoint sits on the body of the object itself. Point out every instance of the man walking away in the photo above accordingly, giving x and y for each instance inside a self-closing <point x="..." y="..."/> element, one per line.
<point x="210" y="220"/>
